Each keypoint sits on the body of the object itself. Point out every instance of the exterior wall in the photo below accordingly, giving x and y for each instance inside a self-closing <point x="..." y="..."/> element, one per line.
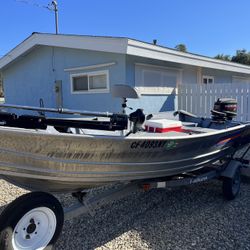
<point x="132" y="60"/>
<point x="30" y="79"/>
<point x="92" y="102"/>
<point x="152" y="103"/>
<point x="219" y="76"/>
<point x="33" y="77"/>
<point x="222" y="76"/>
<point x="189" y="75"/>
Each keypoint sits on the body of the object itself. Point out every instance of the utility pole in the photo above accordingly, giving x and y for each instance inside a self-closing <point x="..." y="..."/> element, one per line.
<point x="51" y="7"/>
<point x="55" y="9"/>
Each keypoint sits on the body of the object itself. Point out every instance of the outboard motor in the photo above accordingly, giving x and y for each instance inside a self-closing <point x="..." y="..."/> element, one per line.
<point x="225" y="109"/>
<point x="137" y="118"/>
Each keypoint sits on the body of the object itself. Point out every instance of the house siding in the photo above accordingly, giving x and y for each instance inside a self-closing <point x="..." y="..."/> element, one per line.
<point x="96" y="101"/>
<point x="222" y="76"/>
<point x="157" y="103"/>
<point x="33" y="77"/>
<point x="189" y="75"/>
<point x="29" y="79"/>
<point x="219" y="76"/>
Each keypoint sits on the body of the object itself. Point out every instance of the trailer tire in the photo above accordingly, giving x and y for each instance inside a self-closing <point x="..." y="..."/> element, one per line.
<point x="231" y="186"/>
<point x="32" y="221"/>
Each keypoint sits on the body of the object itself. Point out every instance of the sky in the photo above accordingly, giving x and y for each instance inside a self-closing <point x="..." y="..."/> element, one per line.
<point x="206" y="27"/>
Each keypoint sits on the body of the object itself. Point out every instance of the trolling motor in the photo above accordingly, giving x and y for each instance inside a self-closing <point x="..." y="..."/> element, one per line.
<point x="225" y="109"/>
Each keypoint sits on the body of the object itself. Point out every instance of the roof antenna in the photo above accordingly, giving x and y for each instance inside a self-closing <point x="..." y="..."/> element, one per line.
<point x="55" y="9"/>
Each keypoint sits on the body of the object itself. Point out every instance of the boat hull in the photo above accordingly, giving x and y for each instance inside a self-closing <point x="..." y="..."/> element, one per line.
<point x="67" y="162"/>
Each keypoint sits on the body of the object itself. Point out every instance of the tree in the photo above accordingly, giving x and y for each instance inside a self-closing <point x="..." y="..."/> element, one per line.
<point x="181" y="47"/>
<point x="242" y="56"/>
<point x="223" y="57"/>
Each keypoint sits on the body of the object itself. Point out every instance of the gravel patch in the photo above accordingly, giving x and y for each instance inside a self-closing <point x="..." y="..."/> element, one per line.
<point x="191" y="217"/>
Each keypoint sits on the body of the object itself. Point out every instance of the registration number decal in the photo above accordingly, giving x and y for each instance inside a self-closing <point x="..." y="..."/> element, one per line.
<point x="153" y="144"/>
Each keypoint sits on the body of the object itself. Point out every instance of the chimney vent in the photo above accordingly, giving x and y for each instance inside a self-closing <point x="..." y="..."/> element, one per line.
<point x="155" y="41"/>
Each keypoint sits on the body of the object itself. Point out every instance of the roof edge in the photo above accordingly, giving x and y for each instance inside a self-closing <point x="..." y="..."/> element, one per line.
<point x="120" y="45"/>
<point x="17" y="51"/>
<point x="139" y="48"/>
<point x="106" y="44"/>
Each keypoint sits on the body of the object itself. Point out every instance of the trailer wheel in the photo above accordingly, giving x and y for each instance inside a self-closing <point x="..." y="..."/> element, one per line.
<point x="32" y="221"/>
<point x="231" y="186"/>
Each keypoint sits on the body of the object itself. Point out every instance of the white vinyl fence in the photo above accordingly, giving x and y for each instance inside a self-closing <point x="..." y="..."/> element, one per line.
<point x="199" y="98"/>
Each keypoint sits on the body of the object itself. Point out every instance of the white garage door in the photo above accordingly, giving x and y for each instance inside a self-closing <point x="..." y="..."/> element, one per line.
<point x="150" y="79"/>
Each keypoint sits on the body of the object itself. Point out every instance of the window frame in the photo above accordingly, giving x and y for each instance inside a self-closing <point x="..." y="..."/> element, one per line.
<point x="207" y="77"/>
<point x="89" y="74"/>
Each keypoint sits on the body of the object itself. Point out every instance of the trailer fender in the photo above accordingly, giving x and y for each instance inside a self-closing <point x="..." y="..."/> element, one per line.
<point x="231" y="169"/>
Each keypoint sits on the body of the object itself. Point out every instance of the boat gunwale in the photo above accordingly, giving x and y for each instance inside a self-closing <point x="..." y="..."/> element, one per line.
<point x="142" y="136"/>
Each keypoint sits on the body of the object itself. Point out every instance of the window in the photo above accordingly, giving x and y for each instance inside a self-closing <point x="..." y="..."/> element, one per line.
<point x="94" y="82"/>
<point x="207" y="79"/>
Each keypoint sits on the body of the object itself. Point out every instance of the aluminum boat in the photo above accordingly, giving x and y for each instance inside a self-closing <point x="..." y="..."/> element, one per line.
<point x="68" y="155"/>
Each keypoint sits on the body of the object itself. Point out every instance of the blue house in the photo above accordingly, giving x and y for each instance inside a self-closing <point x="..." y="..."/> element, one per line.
<point x="78" y="72"/>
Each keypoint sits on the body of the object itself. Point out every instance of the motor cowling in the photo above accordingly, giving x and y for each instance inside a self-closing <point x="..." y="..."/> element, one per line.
<point x="224" y="109"/>
<point x="137" y="118"/>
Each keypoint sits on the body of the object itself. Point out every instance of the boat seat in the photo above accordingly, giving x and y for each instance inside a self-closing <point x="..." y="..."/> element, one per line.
<point x="125" y="91"/>
<point x="184" y="113"/>
<point x="190" y="124"/>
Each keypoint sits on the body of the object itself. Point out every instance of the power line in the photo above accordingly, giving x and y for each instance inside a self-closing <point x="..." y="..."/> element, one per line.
<point x="28" y="2"/>
<point x="51" y="7"/>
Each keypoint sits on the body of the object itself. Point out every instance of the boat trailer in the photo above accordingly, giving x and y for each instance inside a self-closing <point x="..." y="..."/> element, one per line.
<point x="35" y="220"/>
<point x="229" y="173"/>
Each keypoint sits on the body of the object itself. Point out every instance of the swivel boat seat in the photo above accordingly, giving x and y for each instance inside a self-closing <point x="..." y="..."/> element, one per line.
<point x="125" y="91"/>
<point x="137" y="118"/>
